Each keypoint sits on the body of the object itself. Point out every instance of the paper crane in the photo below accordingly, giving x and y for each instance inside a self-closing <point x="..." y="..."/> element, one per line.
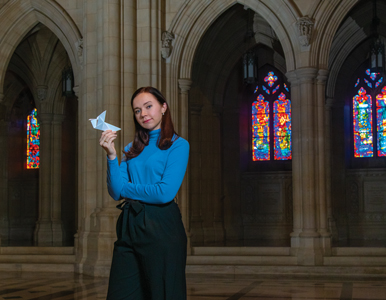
<point x="100" y="124"/>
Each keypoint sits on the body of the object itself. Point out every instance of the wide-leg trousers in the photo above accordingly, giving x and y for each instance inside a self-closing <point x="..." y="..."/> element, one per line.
<point x="150" y="253"/>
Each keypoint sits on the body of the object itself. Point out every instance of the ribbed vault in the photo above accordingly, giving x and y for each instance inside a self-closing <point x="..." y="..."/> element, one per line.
<point x="353" y="33"/>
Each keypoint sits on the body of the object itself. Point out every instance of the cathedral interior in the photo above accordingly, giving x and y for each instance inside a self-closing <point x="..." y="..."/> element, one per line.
<point x="283" y="104"/>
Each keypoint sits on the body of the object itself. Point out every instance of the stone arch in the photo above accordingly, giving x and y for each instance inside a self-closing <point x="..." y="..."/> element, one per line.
<point x="22" y="16"/>
<point x="195" y="17"/>
<point x="349" y="37"/>
<point x="329" y="15"/>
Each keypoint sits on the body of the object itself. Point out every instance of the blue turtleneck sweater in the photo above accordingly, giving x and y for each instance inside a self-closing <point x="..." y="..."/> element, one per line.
<point x="154" y="176"/>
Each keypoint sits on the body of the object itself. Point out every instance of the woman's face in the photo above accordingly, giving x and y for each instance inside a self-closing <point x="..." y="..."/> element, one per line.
<point x="148" y="111"/>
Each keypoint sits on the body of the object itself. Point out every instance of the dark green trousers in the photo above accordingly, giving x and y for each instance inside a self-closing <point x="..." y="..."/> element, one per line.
<point x="150" y="254"/>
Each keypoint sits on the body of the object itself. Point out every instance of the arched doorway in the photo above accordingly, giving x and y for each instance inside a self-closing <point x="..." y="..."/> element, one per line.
<point x="40" y="202"/>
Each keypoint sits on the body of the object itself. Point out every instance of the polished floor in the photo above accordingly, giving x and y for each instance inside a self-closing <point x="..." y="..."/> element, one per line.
<point x="54" y="286"/>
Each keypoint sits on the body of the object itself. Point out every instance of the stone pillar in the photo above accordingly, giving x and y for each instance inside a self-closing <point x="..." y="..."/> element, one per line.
<point x="183" y="129"/>
<point x="56" y="169"/>
<point x="43" y="229"/>
<point x="321" y="163"/>
<point x="296" y="161"/>
<point x="148" y="43"/>
<point x="4" y="218"/>
<point x="101" y="89"/>
<point x="328" y="117"/>
<point x="195" y="172"/>
<point x="218" y="207"/>
<point x="305" y="166"/>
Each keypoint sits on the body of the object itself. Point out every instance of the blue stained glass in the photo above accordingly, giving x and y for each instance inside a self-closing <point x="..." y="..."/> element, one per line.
<point x="266" y="90"/>
<point x="357" y="82"/>
<point x="257" y="87"/>
<point x="379" y="82"/>
<point x="381" y="122"/>
<point x="33" y="141"/>
<point x="282" y="128"/>
<point x="363" y="128"/>
<point x="260" y="129"/>
<point x="275" y="89"/>
<point x="270" y="79"/>
<point x="285" y="86"/>
<point x="368" y="83"/>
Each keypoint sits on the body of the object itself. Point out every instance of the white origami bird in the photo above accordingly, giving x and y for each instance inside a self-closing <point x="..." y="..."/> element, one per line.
<point x="100" y="124"/>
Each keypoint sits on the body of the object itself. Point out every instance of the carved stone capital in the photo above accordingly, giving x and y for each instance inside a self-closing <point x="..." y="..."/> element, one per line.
<point x="44" y="118"/>
<point x="305" y="27"/>
<point x="322" y="76"/>
<point x="41" y="91"/>
<point x="167" y="39"/>
<point x="306" y="74"/>
<point x="195" y="108"/>
<point x="184" y="84"/>
<point x="58" y="119"/>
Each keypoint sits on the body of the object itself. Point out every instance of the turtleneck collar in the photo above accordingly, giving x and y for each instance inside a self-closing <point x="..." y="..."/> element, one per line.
<point x="154" y="134"/>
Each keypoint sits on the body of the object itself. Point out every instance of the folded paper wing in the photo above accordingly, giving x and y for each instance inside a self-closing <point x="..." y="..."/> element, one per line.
<point x="100" y="124"/>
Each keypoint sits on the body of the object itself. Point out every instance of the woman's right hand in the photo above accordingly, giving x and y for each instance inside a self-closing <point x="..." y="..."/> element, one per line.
<point x="107" y="143"/>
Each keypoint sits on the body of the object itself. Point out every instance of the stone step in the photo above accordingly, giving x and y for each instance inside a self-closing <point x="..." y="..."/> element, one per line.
<point x="241" y="260"/>
<point x="37" y="259"/>
<point x="37" y="250"/>
<point x="38" y="267"/>
<point x="245" y="251"/>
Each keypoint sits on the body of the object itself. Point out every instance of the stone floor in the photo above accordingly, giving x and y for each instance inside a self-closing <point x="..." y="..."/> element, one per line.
<point x="54" y="286"/>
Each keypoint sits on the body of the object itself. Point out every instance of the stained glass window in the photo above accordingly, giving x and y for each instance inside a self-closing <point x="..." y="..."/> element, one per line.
<point x="33" y="141"/>
<point x="282" y="128"/>
<point x="270" y="79"/>
<point x="363" y="131"/>
<point x="381" y="122"/>
<point x="369" y="117"/>
<point x="379" y="82"/>
<point x="260" y="129"/>
<point x="271" y="116"/>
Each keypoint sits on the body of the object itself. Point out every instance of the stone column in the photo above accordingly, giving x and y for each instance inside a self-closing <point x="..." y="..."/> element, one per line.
<point x="321" y="167"/>
<point x="296" y="161"/>
<point x="328" y="117"/>
<point x="4" y="219"/>
<point x="101" y="89"/>
<point x="183" y="129"/>
<point x="305" y="163"/>
<point x="43" y="230"/>
<point x="218" y="221"/>
<point x="148" y="43"/>
<point x="56" y="169"/>
<point x="195" y="172"/>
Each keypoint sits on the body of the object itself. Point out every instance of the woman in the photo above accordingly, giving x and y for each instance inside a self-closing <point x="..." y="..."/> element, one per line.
<point x="150" y="254"/>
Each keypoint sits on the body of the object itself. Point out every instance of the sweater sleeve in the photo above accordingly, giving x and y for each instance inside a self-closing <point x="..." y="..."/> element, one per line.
<point x="166" y="189"/>
<point x="117" y="175"/>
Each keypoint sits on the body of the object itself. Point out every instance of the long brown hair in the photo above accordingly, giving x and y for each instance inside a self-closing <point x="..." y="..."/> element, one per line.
<point x="141" y="138"/>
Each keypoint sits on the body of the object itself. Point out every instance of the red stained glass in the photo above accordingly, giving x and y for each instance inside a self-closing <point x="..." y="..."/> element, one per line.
<point x="33" y="141"/>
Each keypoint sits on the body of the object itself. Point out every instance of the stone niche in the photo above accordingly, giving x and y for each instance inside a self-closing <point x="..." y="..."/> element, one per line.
<point x="267" y="208"/>
<point x="366" y="206"/>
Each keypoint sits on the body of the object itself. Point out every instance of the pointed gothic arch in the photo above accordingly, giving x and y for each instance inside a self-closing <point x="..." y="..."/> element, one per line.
<point x="22" y="16"/>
